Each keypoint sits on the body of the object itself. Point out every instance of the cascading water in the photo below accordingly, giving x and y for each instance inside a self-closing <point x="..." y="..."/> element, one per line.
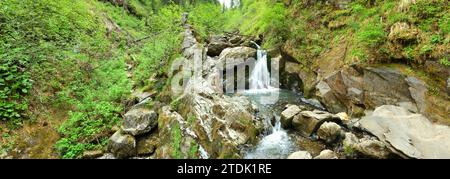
<point x="276" y="144"/>
<point x="260" y="77"/>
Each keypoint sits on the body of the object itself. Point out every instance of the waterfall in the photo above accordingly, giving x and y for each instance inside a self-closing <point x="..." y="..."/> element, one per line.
<point x="260" y="76"/>
<point x="229" y="3"/>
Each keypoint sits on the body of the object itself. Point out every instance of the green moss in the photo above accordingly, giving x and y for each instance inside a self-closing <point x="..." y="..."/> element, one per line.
<point x="193" y="150"/>
<point x="176" y="142"/>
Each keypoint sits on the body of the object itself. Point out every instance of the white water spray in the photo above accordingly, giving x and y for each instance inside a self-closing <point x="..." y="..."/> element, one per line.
<point x="260" y="76"/>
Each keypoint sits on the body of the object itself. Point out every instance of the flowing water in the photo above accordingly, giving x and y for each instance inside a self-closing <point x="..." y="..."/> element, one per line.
<point x="260" y="77"/>
<point x="276" y="143"/>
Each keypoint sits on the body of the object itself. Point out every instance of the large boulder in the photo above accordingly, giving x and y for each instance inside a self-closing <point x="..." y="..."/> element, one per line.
<point x="329" y="132"/>
<point x="236" y="56"/>
<point x="289" y="114"/>
<point x="139" y="121"/>
<point x="216" y="45"/>
<point x="177" y="139"/>
<point x="308" y="122"/>
<point x="300" y="155"/>
<point x="409" y="135"/>
<point x="356" y="89"/>
<point x="122" y="145"/>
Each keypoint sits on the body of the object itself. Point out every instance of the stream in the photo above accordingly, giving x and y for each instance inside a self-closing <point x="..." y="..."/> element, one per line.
<point x="275" y="143"/>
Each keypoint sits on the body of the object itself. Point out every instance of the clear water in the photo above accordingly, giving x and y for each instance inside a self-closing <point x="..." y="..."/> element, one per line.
<point x="276" y="144"/>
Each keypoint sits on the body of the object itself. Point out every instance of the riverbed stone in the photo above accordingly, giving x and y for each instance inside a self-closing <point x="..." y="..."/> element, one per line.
<point x="122" y="145"/>
<point x="139" y="121"/>
<point x="288" y="114"/>
<point x="327" y="154"/>
<point x="329" y="132"/>
<point x="300" y="155"/>
<point x="308" y="122"/>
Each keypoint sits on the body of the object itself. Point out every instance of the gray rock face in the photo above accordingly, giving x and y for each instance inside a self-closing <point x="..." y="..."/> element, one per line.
<point x="308" y="122"/>
<point x="326" y="154"/>
<point x="176" y="139"/>
<point x="409" y="135"/>
<point x="418" y="90"/>
<point x="329" y="132"/>
<point x="300" y="155"/>
<point x="355" y="89"/>
<point x="288" y="114"/>
<point x="122" y="145"/>
<point x="216" y="122"/>
<point x="139" y="121"/>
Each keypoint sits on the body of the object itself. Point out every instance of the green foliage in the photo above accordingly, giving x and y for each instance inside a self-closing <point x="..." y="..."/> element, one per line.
<point x="97" y="107"/>
<point x="207" y="18"/>
<point x="176" y="141"/>
<point x="372" y="34"/>
<point x="444" y="61"/>
<point x="424" y="9"/>
<point x="260" y="17"/>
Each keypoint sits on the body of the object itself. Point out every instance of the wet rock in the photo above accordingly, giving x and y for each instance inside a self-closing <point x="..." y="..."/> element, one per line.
<point x="308" y="122"/>
<point x="407" y="134"/>
<point x="216" y="45"/>
<point x="329" y="132"/>
<point x="91" y="154"/>
<point x="326" y="154"/>
<point x="288" y="114"/>
<point x="300" y="155"/>
<point x="139" y="121"/>
<point x="122" y="145"/>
